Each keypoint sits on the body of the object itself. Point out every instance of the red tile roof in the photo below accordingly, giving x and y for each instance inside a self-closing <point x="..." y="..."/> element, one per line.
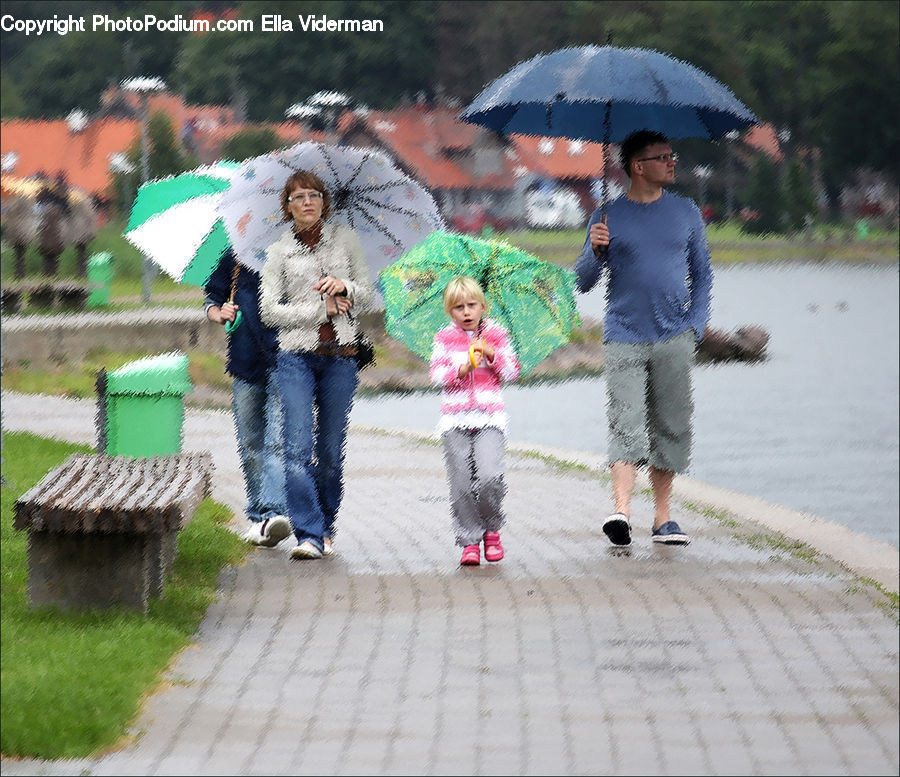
<point x="433" y="142"/>
<point x="50" y="147"/>
<point x="559" y="157"/>
<point x="430" y="142"/>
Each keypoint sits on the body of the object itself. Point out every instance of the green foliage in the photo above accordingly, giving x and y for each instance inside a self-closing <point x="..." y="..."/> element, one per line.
<point x="164" y="157"/>
<point x="77" y="378"/>
<point x="11" y="103"/>
<point x="828" y="71"/>
<point x="859" y="70"/>
<point x="249" y="143"/>
<point x="72" y="683"/>
<point x="799" y="198"/>
<point x="763" y="196"/>
<point x="272" y="71"/>
<point x="127" y="260"/>
<point x="781" y="196"/>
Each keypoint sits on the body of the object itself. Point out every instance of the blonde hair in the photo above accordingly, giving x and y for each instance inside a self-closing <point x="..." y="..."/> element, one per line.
<point x="461" y="287"/>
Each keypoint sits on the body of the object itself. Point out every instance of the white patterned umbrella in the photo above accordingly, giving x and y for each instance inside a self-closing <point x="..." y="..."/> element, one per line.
<point x="389" y="210"/>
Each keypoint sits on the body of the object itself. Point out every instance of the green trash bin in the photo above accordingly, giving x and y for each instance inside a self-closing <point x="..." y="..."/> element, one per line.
<point x="99" y="275"/>
<point x="145" y="406"/>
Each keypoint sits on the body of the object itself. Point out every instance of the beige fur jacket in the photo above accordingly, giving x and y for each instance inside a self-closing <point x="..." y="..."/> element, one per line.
<point x="288" y="301"/>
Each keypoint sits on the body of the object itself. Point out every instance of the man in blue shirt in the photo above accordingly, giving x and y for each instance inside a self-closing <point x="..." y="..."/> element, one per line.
<point x="652" y="244"/>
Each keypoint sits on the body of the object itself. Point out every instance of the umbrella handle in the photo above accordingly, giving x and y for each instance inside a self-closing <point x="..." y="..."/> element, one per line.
<point x="472" y="359"/>
<point x="230" y="326"/>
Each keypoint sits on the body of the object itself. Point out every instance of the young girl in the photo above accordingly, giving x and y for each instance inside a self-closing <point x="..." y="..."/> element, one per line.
<point x="470" y="357"/>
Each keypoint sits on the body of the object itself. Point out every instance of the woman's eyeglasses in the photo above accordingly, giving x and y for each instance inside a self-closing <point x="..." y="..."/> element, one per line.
<point x="304" y="196"/>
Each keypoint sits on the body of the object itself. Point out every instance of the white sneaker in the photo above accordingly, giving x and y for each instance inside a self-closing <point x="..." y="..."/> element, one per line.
<point x="268" y="533"/>
<point x="274" y="530"/>
<point x="306" y="550"/>
<point x="253" y="535"/>
<point x="327" y="546"/>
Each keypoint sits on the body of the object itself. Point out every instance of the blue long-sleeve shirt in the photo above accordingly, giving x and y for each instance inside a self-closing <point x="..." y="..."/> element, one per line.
<point x="660" y="278"/>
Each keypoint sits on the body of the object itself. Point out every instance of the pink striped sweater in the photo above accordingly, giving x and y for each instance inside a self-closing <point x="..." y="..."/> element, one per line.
<point x="475" y="401"/>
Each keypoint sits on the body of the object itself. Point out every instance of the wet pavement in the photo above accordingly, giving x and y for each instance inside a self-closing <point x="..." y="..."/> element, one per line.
<point x="729" y="656"/>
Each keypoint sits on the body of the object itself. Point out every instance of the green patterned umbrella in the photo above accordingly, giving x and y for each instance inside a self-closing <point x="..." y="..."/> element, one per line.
<point x="175" y="223"/>
<point x="532" y="298"/>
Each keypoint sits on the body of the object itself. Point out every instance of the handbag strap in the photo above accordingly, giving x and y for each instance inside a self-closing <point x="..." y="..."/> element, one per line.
<point x="234" y="280"/>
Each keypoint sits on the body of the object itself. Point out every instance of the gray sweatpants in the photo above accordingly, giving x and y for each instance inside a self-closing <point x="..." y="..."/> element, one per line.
<point x="474" y="460"/>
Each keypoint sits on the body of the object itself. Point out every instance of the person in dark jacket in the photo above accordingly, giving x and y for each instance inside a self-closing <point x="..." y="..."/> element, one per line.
<point x="252" y="349"/>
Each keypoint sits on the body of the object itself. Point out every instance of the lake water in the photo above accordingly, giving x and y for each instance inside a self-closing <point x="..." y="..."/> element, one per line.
<point x="814" y="428"/>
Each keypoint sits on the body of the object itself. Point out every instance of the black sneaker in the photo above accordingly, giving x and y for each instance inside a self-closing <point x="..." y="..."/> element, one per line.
<point x="670" y="533"/>
<point x="617" y="528"/>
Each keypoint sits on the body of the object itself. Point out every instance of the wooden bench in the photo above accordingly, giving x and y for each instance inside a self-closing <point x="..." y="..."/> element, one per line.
<point x="46" y="295"/>
<point x="102" y="530"/>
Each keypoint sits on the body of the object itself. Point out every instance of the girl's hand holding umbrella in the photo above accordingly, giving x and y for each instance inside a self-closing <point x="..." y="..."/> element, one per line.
<point x="480" y="349"/>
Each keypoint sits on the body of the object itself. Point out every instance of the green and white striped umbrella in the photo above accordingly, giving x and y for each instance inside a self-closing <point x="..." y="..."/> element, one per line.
<point x="175" y="223"/>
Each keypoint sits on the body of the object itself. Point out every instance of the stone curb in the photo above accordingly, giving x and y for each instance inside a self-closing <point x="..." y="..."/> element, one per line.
<point x="862" y="555"/>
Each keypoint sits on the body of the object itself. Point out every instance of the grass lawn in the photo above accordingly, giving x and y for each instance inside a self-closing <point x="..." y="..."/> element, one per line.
<point x="77" y="379"/>
<point x="127" y="260"/>
<point x="729" y="245"/>
<point x="72" y="684"/>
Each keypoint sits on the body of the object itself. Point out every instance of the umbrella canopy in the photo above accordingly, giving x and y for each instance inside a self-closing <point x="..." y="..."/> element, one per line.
<point x="532" y="298"/>
<point x="603" y="93"/>
<point x="175" y="223"/>
<point x="389" y="211"/>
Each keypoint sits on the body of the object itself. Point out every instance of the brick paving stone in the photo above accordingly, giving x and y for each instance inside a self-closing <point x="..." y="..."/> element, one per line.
<point x="567" y="657"/>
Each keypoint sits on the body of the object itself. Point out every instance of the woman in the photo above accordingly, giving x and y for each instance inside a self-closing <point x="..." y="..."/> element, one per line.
<point x="313" y="275"/>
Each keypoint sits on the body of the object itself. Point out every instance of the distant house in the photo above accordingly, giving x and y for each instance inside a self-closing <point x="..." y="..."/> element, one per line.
<point x="462" y="165"/>
<point x="84" y="157"/>
<point x="467" y="167"/>
<point x="575" y="164"/>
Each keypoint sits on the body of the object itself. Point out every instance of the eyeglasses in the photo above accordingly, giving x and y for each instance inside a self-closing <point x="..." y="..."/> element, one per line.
<point x="672" y="157"/>
<point x="303" y="196"/>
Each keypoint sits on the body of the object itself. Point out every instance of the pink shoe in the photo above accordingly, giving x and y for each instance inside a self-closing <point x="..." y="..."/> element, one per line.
<point x="493" y="550"/>
<point x="471" y="556"/>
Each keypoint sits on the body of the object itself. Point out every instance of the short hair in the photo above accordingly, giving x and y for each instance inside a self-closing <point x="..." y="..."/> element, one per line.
<point x="308" y="180"/>
<point x="637" y="142"/>
<point x="463" y="286"/>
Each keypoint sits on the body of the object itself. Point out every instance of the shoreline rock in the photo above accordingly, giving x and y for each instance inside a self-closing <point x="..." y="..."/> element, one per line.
<point x="583" y="357"/>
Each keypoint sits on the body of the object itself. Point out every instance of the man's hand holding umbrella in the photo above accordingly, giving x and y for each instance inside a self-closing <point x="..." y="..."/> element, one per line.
<point x="599" y="236"/>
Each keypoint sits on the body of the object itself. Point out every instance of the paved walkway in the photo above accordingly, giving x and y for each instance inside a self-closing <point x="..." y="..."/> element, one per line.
<point x="729" y="656"/>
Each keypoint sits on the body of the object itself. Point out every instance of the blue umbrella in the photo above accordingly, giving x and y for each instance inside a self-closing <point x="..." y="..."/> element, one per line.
<point x="602" y="93"/>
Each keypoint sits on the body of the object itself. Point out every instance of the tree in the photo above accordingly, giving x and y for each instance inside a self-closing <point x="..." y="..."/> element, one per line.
<point x="11" y="103"/>
<point x="859" y="75"/>
<point x="249" y="143"/>
<point x="164" y="157"/>
<point x="799" y="198"/>
<point x="762" y="196"/>
<point x="278" y="69"/>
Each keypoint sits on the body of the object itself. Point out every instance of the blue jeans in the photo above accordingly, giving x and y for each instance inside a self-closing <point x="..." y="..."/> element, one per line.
<point x="314" y="442"/>
<point x="257" y="420"/>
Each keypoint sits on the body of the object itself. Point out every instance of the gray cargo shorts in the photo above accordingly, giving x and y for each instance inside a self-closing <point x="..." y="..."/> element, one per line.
<point x="649" y="401"/>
